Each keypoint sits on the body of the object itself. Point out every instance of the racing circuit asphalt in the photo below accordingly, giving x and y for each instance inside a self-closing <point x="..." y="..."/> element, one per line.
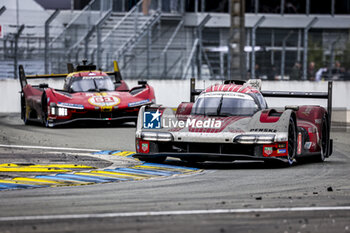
<point x="260" y="198"/>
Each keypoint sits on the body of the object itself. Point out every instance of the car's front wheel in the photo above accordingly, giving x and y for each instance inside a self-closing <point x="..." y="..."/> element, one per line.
<point x="292" y="141"/>
<point x="44" y="107"/>
<point x="24" y="114"/>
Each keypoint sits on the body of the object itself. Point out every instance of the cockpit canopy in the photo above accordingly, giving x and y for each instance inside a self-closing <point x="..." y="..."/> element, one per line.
<point x="89" y="83"/>
<point x="228" y="104"/>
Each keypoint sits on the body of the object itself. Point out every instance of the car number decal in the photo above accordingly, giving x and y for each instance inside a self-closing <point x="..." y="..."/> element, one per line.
<point x="102" y="101"/>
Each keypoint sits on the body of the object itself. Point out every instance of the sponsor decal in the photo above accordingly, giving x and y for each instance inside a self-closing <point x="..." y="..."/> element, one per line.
<point x="264" y="130"/>
<point x="226" y="94"/>
<point x="93" y="77"/>
<point x="141" y="102"/>
<point x="281" y="151"/>
<point x="106" y="108"/>
<point x="307" y="145"/>
<point x="299" y="144"/>
<point x="104" y="101"/>
<point x="69" y="105"/>
<point x="268" y="150"/>
<point x="145" y="147"/>
<point x="236" y="130"/>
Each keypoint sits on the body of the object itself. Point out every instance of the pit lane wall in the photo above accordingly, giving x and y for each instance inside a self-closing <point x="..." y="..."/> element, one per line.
<point x="172" y="92"/>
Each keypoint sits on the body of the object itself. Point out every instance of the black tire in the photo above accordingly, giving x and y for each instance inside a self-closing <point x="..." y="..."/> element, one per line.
<point x="24" y="111"/>
<point x="44" y="114"/>
<point x="292" y="141"/>
<point x="324" y="141"/>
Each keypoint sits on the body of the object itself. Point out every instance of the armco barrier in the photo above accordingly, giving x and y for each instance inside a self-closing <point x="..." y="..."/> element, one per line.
<point x="172" y="92"/>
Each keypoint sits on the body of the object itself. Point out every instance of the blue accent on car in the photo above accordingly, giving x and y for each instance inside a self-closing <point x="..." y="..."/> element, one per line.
<point x="141" y="102"/>
<point x="281" y="151"/>
<point x="69" y="105"/>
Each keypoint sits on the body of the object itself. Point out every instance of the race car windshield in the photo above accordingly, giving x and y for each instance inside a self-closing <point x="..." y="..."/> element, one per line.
<point x="224" y="105"/>
<point x="94" y="83"/>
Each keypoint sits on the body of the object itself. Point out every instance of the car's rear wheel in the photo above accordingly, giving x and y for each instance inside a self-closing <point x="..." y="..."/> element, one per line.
<point x="324" y="141"/>
<point x="292" y="141"/>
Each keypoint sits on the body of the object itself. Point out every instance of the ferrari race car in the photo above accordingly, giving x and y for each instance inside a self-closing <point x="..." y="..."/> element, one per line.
<point x="88" y="94"/>
<point x="232" y="121"/>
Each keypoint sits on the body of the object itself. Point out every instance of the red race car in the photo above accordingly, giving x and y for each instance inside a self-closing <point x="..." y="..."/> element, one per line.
<point x="88" y="94"/>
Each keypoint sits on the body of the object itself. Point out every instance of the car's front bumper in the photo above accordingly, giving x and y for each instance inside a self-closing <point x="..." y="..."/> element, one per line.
<point x="57" y="122"/>
<point x="207" y="156"/>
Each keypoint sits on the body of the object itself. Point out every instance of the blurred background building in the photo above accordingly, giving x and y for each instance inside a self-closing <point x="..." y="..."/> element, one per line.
<point x="179" y="39"/>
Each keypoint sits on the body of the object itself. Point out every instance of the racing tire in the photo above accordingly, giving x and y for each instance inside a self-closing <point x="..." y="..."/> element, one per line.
<point x="324" y="141"/>
<point x="44" y="116"/>
<point x="24" y="112"/>
<point x="292" y="141"/>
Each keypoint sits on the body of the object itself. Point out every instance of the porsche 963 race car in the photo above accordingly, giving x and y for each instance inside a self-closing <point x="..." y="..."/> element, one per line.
<point x="88" y="94"/>
<point x="232" y="121"/>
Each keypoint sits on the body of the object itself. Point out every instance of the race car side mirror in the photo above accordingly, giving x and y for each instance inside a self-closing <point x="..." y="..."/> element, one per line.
<point x="43" y="85"/>
<point x="142" y="82"/>
<point x="292" y="107"/>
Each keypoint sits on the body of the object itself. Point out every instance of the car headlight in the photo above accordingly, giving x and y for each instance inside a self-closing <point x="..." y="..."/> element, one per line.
<point x="58" y="111"/>
<point x="255" y="139"/>
<point x="157" y="136"/>
<point x="62" y="112"/>
<point x="53" y="110"/>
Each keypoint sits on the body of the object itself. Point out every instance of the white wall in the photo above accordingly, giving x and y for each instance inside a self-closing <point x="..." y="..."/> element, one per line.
<point x="173" y="92"/>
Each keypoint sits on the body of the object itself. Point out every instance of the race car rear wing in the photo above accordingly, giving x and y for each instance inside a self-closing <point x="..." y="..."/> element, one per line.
<point x="23" y="78"/>
<point x="308" y="95"/>
<point x="280" y="94"/>
<point x="115" y="72"/>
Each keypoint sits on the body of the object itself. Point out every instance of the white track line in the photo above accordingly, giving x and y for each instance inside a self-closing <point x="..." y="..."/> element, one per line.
<point x="47" y="148"/>
<point x="170" y="213"/>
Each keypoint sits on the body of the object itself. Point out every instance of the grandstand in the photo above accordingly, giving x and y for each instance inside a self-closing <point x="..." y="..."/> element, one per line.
<point x="181" y="39"/>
